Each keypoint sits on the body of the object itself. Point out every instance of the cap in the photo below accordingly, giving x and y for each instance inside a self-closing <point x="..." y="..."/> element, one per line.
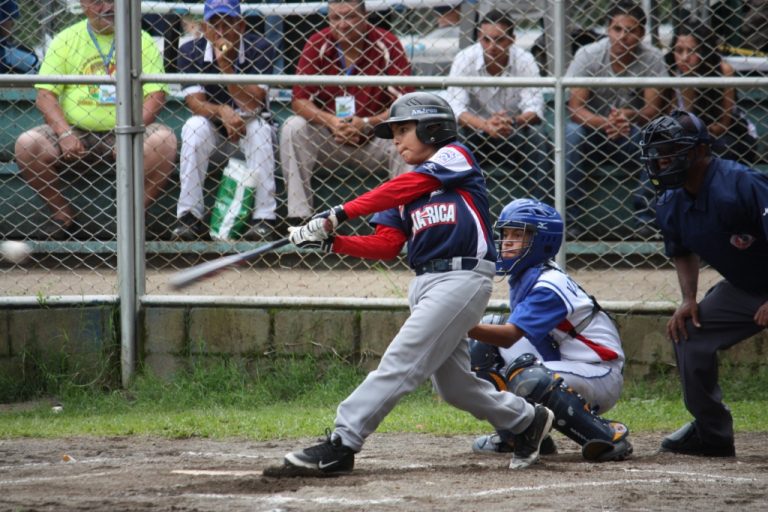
<point x="223" y="7"/>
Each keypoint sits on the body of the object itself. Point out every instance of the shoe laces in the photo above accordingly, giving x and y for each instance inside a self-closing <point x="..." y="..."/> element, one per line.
<point x="331" y="446"/>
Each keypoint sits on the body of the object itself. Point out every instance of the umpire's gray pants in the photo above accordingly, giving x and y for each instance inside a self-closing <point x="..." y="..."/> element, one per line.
<point x="727" y="317"/>
<point x="431" y="342"/>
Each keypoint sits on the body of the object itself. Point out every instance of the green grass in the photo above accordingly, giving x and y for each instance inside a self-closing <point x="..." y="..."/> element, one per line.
<point x="291" y="398"/>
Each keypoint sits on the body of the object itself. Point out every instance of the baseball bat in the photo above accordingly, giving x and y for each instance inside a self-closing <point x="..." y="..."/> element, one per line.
<point x="193" y="274"/>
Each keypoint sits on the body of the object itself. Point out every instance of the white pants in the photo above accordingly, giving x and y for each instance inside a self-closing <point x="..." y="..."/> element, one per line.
<point x="199" y="139"/>
<point x="305" y="146"/>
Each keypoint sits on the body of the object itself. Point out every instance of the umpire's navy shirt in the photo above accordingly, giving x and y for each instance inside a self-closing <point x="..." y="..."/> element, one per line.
<point x="255" y="57"/>
<point x="726" y="224"/>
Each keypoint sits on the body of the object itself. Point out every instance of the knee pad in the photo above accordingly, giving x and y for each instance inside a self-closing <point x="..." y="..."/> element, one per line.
<point x="528" y="378"/>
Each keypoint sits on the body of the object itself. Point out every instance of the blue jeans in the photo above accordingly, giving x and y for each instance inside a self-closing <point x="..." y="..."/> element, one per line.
<point x="585" y="148"/>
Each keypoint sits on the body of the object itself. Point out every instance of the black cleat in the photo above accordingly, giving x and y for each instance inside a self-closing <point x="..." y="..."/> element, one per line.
<point x="528" y="443"/>
<point x="328" y="457"/>
<point x="493" y="444"/>
<point x="686" y="441"/>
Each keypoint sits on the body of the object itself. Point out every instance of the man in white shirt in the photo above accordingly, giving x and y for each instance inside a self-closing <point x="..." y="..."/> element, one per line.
<point x="503" y="124"/>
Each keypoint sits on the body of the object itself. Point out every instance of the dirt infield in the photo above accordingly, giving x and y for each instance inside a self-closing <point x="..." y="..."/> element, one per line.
<point x="395" y="472"/>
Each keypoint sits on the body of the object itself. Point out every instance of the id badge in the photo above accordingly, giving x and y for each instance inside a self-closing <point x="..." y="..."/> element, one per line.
<point x="345" y="106"/>
<point x="107" y="94"/>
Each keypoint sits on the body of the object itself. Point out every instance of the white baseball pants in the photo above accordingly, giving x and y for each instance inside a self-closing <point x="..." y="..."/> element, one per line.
<point x="199" y="139"/>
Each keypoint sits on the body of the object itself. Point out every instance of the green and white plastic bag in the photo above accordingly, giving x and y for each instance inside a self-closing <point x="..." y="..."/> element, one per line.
<point x="234" y="201"/>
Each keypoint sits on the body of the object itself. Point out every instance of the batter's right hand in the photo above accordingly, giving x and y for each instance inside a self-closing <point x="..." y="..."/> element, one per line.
<point x="312" y="231"/>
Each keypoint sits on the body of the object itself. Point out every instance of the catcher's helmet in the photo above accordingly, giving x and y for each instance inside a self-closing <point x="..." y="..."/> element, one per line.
<point x="671" y="138"/>
<point x="436" y="124"/>
<point x="545" y="225"/>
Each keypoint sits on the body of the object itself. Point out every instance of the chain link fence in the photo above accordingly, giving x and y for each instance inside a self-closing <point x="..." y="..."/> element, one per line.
<point x="223" y="176"/>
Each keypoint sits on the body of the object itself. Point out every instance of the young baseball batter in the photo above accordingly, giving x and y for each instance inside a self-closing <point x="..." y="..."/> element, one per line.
<point x="441" y="210"/>
<point x="557" y="345"/>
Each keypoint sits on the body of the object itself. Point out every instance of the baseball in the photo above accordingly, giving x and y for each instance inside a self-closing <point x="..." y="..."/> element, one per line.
<point x="15" y="252"/>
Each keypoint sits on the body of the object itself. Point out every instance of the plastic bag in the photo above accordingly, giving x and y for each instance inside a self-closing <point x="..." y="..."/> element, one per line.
<point x="234" y="201"/>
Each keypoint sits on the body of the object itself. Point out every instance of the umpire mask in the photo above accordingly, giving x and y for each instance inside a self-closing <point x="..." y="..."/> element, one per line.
<point x="665" y="148"/>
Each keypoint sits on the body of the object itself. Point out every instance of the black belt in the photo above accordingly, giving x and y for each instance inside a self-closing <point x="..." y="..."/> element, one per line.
<point x="446" y="265"/>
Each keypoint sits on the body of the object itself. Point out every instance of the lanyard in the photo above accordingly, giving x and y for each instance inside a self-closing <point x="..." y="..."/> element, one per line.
<point x="347" y="70"/>
<point x="106" y="59"/>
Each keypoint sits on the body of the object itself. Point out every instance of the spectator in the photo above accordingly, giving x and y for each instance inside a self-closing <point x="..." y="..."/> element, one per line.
<point x="714" y="210"/>
<point x="80" y="118"/>
<point x="502" y="124"/>
<point x="333" y="125"/>
<point x="694" y="53"/>
<point x="226" y="113"/>
<point x="604" y="120"/>
<point x="14" y="57"/>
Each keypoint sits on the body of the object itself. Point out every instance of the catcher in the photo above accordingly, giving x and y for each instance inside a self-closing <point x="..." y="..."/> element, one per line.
<point x="557" y="348"/>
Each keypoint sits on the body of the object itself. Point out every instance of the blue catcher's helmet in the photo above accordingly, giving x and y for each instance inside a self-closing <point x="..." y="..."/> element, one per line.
<point x="671" y="138"/>
<point x="545" y="226"/>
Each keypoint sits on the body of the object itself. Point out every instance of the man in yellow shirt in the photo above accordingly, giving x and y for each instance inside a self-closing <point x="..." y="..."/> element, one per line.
<point x="80" y="118"/>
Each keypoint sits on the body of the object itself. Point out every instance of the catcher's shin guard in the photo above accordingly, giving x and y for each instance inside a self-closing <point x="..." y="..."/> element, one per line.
<point x="530" y="379"/>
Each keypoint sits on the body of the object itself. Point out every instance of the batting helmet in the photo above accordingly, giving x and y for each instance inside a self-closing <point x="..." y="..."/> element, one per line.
<point x="435" y="121"/>
<point x="543" y="223"/>
<point x="671" y="138"/>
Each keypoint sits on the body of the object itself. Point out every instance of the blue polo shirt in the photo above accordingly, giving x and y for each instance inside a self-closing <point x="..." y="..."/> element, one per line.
<point x="726" y="224"/>
<point x="255" y="57"/>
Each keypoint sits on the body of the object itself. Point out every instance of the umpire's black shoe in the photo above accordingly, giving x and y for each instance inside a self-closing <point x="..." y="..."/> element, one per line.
<point x="686" y="441"/>
<point x="325" y="458"/>
<point x="528" y="443"/>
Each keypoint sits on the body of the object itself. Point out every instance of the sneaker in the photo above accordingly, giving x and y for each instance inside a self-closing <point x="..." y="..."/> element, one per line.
<point x="328" y="457"/>
<point x="528" y="443"/>
<point x="493" y="444"/>
<point x="686" y="441"/>
<point x="261" y="230"/>
<point x="189" y="228"/>
<point x="599" y="450"/>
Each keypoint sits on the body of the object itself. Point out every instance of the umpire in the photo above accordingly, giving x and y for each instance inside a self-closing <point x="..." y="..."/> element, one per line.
<point x="715" y="210"/>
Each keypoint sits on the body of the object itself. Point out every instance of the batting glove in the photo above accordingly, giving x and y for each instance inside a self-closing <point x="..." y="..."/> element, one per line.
<point x="312" y="231"/>
<point x="335" y="215"/>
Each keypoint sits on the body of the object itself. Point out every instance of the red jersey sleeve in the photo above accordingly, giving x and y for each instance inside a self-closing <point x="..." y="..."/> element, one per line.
<point x="398" y="191"/>
<point x="385" y="244"/>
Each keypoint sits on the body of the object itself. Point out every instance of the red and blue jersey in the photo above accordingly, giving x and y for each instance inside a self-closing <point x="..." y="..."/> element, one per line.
<point x="453" y="220"/>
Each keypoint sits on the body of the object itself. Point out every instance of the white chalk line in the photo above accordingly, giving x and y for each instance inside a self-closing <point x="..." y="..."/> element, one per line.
<point x="328" y="500"/>
<point x="224" y="455"/>
<point x="215" y="472"/>
<point x="706" y="476"/>
<point x="57" y="477"/>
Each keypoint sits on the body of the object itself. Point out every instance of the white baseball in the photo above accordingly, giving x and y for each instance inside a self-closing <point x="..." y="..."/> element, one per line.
<point x="15" y="252"/>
